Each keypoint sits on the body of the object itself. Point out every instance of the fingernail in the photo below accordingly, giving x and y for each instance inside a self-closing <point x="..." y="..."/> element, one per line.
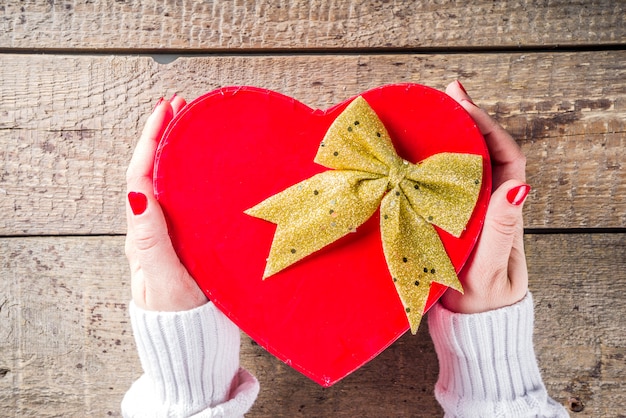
<point x="138" y="202"/>
<point x="462" y="88"/>
<point x="517" y="195"/>
<point x="469" y="100"/>
<point x="172" y="98"/>
<point x="157" y="104"/>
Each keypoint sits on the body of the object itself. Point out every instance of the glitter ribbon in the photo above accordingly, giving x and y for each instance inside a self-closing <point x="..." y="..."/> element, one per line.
<point x="441" y="190"/>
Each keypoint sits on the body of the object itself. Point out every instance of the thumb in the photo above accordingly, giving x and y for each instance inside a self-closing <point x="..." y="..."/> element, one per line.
<point x="503" y="222"/>
<point x="501" y="244"/>
<point x="150" y="241"/>
<point x="160" y="281"/>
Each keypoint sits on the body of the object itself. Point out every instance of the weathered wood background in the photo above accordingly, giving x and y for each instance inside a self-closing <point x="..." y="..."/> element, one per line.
<point x="79" y="77"/>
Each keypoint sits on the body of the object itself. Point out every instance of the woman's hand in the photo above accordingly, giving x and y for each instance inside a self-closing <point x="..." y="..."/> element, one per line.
<point x="159" y="282"/>
<point x="495" y="275"/>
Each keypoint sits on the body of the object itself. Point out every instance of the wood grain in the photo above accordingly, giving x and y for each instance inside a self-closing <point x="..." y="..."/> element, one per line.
<point x="69" y="120"/>
<point x="577" y="281"/>
<point x="65" y="342"/>
<point x="302" y="24"/>
<point x="68" y="124"/>
<point x="66" y="347"/>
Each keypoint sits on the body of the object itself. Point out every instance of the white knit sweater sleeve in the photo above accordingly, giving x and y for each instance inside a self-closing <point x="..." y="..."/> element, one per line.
<point x="191" y="366"/>
<point x="487" y="364"/>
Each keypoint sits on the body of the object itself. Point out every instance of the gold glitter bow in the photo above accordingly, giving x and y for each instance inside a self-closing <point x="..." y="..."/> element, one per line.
<point x="441" y="190"/>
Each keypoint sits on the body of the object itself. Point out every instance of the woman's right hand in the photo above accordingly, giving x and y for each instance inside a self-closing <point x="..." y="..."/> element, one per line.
<point x="495" y="274"/>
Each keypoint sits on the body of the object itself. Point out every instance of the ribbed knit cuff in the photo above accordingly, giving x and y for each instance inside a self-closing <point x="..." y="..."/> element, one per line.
<point x="191" y="358"/>
<point x="487" y="363"/>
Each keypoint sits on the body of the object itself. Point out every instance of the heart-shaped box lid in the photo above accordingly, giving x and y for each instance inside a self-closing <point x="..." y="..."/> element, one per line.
<point x="232" y="148"/>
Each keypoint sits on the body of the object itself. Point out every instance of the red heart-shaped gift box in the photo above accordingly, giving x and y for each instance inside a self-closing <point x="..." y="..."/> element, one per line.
<point x="230" y="149"/>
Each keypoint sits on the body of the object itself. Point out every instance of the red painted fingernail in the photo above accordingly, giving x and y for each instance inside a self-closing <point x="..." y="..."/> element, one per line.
<point x="157" y="104"/>
<point x="138" y="202"/>
<point x="462" y="88"/>
<point x="465" y="91"/>
<point x="172" y="98"/>
<point x="517" y="195"/>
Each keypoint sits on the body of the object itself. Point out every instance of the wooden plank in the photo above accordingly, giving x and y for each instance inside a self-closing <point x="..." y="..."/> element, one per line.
<point x="66" y="348"/>
<point x="65" y="339"/>
<point x="303" y="24"/>
<point x="578" y="282"/>
<point x="68" y="124"/>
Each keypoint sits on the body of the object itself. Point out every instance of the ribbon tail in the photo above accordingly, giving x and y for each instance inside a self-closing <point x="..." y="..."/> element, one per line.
<point x="316" y="212"/>
<point x="415" y="255"/>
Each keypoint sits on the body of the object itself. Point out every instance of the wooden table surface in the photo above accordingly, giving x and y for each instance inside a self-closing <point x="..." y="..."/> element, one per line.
<point x="79" y="77"/>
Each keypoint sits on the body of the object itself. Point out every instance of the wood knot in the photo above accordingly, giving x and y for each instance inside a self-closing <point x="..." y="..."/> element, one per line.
<point x="575" y="404"/>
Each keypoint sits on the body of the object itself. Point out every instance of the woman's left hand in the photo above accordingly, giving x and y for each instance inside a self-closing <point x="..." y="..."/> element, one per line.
<point x="159" y="281"/>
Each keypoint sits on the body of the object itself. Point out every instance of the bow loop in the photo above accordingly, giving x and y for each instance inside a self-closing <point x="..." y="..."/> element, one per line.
<point x="357" y="141"/>
<point x="367" y="173"/>
<point x="444" y="189"/>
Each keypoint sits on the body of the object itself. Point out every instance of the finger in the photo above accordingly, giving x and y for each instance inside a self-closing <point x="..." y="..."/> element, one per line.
<point x="501" y="242"/>
<point x="506" y="156"/>
<point x="139" y="173"/>
<point x="161" y="282"/>
<point x="139" y="178"/>
<point x="177" y="103"/>
<point x="150" y="242"/>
